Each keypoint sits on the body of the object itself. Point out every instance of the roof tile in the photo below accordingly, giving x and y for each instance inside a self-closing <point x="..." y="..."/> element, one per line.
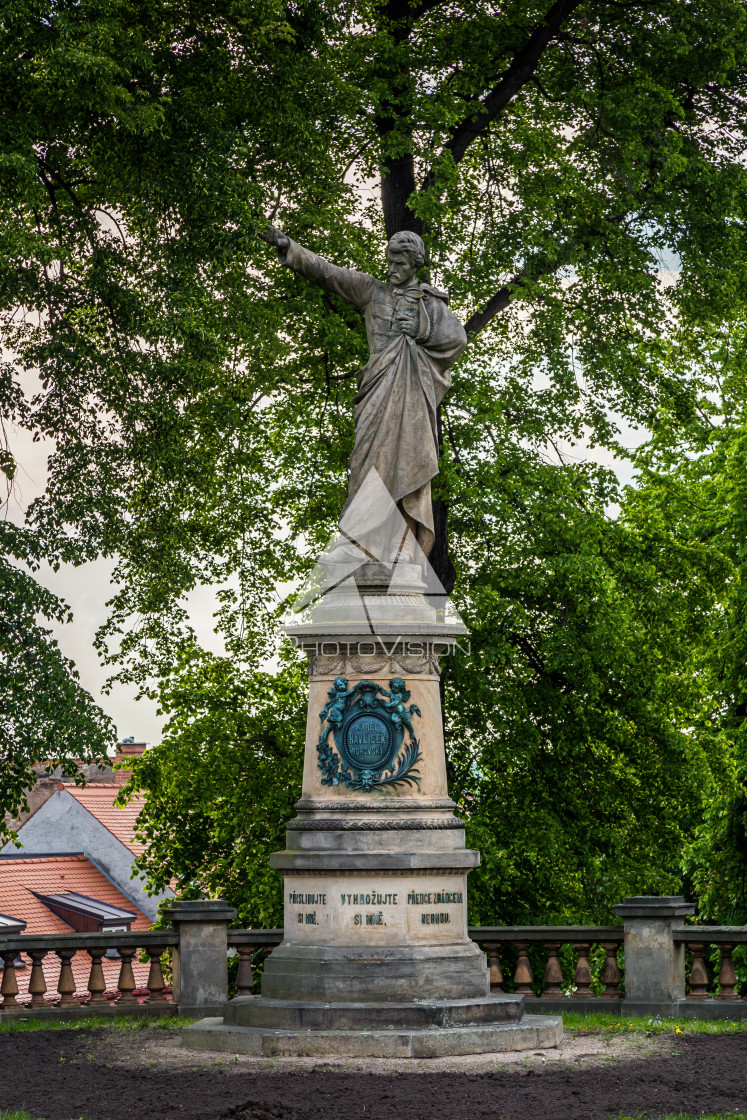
<point x="20" y="877"/>
<point x="98" y="799"/>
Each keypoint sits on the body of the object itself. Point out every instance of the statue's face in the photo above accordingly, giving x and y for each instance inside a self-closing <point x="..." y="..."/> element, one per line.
<point x="400" y="264"/>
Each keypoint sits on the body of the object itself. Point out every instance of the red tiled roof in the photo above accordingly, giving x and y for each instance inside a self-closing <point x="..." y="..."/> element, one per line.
<point x="98" y="799"/>
<point x="19" y="878"/>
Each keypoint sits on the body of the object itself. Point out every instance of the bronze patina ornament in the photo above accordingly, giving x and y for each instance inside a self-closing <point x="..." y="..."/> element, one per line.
<point x="368" y="726"/>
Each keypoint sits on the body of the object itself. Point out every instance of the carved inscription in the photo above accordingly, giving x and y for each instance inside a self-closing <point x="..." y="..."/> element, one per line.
<point x="306" y="917"/>
<point x="372" y="898"/>
<point x="434" y="898"/>
<point x="369" y="898"/>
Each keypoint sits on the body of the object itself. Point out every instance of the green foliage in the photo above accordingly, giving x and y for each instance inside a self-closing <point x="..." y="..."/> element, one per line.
<point x="98" y="1022"/>
<point x="567" y="723"/>
<point x="45" y="715"/>
<point x="199" y="397"/>
<point x="222" y="783"/>
<point x="693" y="487"/>
<point x="612" y="1025"/>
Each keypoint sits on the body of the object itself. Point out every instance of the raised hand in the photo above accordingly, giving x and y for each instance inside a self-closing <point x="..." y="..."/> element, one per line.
<point x="275" y="237"/>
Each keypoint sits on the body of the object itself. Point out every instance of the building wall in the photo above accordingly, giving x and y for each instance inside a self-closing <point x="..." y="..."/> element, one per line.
<point x="62" y="825"/>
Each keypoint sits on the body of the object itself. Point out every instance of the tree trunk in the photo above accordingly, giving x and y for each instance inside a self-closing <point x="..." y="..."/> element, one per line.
<point x="397" y="186"/>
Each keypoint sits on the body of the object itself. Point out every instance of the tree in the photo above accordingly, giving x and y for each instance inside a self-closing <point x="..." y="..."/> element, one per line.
<point x="199" y="397"/>
<point x="45" y="715"/>
<point x="694" y="487"/>
<point x="222" y="783"/>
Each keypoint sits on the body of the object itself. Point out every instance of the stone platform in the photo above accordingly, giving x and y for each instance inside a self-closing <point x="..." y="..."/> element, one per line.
<point x="286" y="1028"/>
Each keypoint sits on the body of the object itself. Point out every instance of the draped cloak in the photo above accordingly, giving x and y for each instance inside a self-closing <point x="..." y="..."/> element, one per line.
<point x="401" y="385"/>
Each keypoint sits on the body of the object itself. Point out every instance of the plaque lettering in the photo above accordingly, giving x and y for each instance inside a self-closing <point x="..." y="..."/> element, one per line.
<point x="434" y="898"/>
<point x="308" y="919"/>
<point x="371" y="899"/>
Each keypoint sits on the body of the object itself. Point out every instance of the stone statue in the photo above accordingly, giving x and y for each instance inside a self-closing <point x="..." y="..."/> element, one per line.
<point x="413" y="340"/>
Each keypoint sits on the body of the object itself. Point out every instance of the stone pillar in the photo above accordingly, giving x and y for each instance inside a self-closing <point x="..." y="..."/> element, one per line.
<point x="200" y="970"/>
<point x="654" y="963"/>
<point x="375" y="868"/>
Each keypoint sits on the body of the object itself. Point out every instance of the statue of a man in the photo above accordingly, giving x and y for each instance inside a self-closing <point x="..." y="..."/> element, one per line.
<point x="413" y="340"/>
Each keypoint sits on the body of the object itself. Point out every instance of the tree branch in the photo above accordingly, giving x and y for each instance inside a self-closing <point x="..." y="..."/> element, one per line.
<point x="496" y="303"/>
<point x="519" y="72"/>
<point x="539" y="265"/>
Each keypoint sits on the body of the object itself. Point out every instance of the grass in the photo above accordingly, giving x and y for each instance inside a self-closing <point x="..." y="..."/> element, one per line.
<point x="125" y="1023"/>
<point x="21" y="1116"/>
<point x="600" y="1023"/>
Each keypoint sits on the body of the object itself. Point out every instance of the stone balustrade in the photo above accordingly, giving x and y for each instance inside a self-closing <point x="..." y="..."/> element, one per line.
<point x="699" y="942"/>
<point x="554" y="985"/>
<point x="90" y="973"/>
<point x="638" y="967"/>
<point x="247" y="942"/>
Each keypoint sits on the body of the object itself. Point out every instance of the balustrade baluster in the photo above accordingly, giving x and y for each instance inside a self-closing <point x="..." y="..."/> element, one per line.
<point x="523" y="974"/>
<point x="156" y="982"/>
<point x="727" y="977"/>
<point x="66" y="982"/>
<point x="126" y="983"/>
<point x="611" y="974"/>
<point x="9" y="986"/>
<point x="96" y="981"/>
<point x="582" y="977"/>
<point x="553" y="978"/>
<point x="698" y="973"/>
<point x="37" y="983"/>
<point x="494" y="967"/>
<point x="245" y="975"/>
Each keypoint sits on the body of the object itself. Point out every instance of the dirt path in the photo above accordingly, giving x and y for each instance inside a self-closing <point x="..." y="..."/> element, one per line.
<point x="146" y="1075"/>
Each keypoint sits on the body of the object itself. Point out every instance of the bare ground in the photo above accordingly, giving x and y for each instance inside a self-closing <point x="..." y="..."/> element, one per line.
<point x="148" y="1075"/>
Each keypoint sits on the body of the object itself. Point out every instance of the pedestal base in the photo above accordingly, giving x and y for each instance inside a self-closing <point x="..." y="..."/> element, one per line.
<point x="424" y="1029"/>
<point x="385" y="974"/>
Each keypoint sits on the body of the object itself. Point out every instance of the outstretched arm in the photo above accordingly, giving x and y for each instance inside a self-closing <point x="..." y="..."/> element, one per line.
<point x="356" y="287"/>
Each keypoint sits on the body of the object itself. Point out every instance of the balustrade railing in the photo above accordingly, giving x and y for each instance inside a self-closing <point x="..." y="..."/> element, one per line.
<point x="92" y="970"/>
<point x="87" y="973"/>
<point x="553" y="985"/>
<point x="698" y="940"/>
<point x="247" y="942"/>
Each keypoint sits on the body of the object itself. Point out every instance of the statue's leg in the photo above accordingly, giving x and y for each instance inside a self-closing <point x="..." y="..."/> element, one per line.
<point x="407" y="546"/>
<point x="418" y="511"/>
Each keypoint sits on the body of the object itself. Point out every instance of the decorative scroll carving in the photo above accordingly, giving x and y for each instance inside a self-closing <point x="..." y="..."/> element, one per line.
<point x="342" y="665"/>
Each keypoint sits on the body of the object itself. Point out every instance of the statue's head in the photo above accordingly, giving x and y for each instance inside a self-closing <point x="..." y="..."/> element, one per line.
<point x="397" y="684"/>
<point x="341" y="684"/>
<point x="405" y="255"/>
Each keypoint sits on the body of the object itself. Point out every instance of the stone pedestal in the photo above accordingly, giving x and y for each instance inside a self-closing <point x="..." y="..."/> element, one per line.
<point x="375" y="879"/>
<point x="375" y="866"/>
<point x="199" y="977"/>
<point x="654" y="961"/>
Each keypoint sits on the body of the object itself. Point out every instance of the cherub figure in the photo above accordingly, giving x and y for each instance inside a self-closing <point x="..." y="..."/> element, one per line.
<point x="399" y="712"/>
<point x="334" y="710"/>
